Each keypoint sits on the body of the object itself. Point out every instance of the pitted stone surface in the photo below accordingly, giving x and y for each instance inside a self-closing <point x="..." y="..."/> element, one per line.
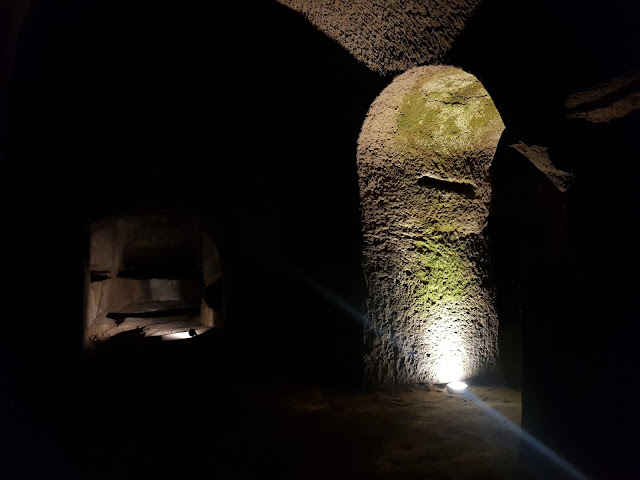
<point x="608" y="101"/>
<point x="389" y="35"/>
<point x="423" y="163"/>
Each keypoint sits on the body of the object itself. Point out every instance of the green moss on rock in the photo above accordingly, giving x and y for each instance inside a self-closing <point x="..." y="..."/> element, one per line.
<point x="444" y="113"/>
<point x="443" y="274"/>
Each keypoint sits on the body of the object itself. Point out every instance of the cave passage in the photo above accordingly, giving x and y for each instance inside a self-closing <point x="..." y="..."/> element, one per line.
<point x="151" y="273"/>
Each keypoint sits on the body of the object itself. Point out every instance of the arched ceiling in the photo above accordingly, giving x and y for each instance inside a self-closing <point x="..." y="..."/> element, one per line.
<point x="390" y="35"/>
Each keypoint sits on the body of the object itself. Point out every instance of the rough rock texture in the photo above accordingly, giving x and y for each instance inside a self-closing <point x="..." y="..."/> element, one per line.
<point x="540" y="158"/>
<point x="211" y="269"/>
<point x="136" y="296"/>
<point x="208" y="316"/>
<point x="110" y="239"/>
<point x="423" y="159"/>
<point x="132" y="295"/>
<point x="389" y="35"/>
<point x="608" y="101"/>
<point x="211" y="273"/>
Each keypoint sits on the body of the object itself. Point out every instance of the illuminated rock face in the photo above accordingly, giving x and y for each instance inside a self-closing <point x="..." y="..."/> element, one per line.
<point x="423" y="163"/>
<point x="389" y="35"/>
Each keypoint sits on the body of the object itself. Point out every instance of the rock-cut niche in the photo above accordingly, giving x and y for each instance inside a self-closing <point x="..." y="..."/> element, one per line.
<point x="159" y="274"/>
<point x="424" y="154"/>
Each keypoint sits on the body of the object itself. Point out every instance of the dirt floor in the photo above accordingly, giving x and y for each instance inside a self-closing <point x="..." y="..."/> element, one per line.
<point x="401" y="432"/>
<point x="165" y="410"/>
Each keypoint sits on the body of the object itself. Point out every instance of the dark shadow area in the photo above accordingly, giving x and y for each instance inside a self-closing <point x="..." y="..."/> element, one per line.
<point x="463" y="189"/>
<point x="212" y="295"/>
<point x="97" y="277"/>
<point x="155" y="314"/>
<point x="158" y="262"/>
<point x="245" y="116"/>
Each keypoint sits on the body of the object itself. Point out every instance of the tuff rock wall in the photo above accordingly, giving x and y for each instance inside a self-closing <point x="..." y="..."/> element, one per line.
<point x="389" y="35"/>
<point x="424" y="154"/>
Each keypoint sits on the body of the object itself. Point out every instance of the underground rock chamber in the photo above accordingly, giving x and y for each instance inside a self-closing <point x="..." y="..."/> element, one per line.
<point x="156" y="275"/>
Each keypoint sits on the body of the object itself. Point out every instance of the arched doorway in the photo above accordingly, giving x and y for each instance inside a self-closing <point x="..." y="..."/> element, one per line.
<point x="424" y="154"/>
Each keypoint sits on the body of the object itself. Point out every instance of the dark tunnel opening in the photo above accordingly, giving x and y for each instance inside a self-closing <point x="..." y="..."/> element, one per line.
<point x="151" y="271"/>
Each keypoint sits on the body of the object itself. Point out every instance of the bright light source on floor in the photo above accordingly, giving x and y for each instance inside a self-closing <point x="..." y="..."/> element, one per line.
<point x="456" y="387"/>
<point x="176" y="336"/>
